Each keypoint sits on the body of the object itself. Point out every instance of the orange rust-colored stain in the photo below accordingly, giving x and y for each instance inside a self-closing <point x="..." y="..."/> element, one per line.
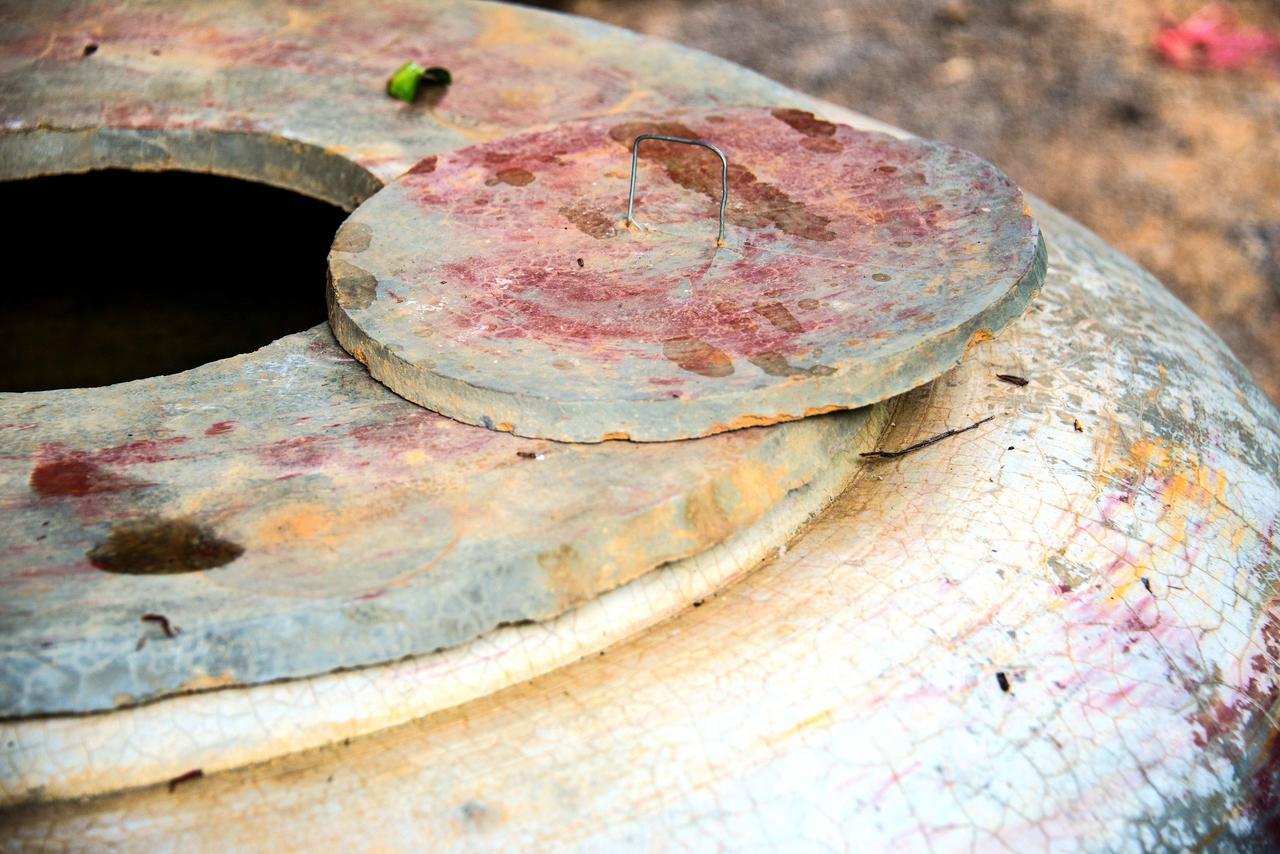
<point x="821" y="410"/>
<point x="821" y="719"/>
<point x="981" y="336"/>
<point x="1146" y="454"/>
<point x="1189" y="494"/>
<point x="300" y="522"/>
<point x="505" y="426"/>
<point x="744" y="421"/>
<point x="611" y="437"/>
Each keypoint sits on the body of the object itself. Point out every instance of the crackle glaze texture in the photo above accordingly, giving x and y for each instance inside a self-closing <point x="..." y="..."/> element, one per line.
<point x="1029" y="635"/>
<point x="1058" y="629"/>
<point x="500" y="284"/>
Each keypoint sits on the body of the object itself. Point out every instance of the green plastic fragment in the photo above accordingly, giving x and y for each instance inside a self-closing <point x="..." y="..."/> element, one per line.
<point x="408" y="77"/>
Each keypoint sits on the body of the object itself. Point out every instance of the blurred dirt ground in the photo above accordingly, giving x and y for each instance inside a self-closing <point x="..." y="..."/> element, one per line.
<point x="1179" y="169"/>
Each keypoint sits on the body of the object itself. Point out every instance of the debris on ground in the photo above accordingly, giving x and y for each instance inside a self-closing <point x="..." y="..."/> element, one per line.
<point x="1212" y="40"/>
<point x="411" y="76"/>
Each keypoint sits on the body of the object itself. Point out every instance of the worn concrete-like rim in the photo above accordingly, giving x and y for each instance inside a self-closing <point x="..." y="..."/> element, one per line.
<point x="1222" y="767"/>
<point x="66" y="121"/>
<point x="428" y="389"/>
<point x="314" y="171"/>
<point x="262" y="158"/>
<point x="144" y="745"/>
<point x="566" y="414"/>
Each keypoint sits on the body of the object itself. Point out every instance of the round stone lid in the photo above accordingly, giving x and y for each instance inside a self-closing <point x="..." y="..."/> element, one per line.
<point x="504" y="286"/>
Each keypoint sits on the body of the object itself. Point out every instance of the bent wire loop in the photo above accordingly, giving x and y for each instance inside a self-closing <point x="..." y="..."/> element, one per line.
<point x="724" y="175"/>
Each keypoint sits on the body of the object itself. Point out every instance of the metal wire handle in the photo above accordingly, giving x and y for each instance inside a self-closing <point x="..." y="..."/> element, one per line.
<point x="724" y="175"/>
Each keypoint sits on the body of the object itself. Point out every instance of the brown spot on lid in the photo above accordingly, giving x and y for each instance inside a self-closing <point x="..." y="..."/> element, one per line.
<point x="698" y="357"/>
<point x="425" y="166"/>
<point x="162" y="547"/>
<point x="516" y="177"/>
<point x="354" y="287"/>
<point x="589" y="220"/>
<point x="804" y="122"/>
<point x="776" y="365"/>
<point x="777" y="314"/>
<point x="819" y="134"/>
<point x="822" y="144"/>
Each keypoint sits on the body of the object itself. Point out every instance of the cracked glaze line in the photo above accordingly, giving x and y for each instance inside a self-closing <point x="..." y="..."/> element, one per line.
<point x="849" y="688"/>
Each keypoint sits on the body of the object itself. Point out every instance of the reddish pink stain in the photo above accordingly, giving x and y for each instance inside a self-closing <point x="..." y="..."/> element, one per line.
<point x="75" y="476"/>
<point x="1263" y="802"/>
<point x="62" y="472"/>
<point x="58" y="571"/>
<point x="220" y="427"/>
<point x="1212" y="40"/>
<point x="757" y="302"/>
<point x="426" y="431"/>
<point x="1220" y="720"/>
<point x="142" y="451"/>
<point x="303" y="452"/>
<point x="753" y="203"/>
<point x="1116" y="699"/>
